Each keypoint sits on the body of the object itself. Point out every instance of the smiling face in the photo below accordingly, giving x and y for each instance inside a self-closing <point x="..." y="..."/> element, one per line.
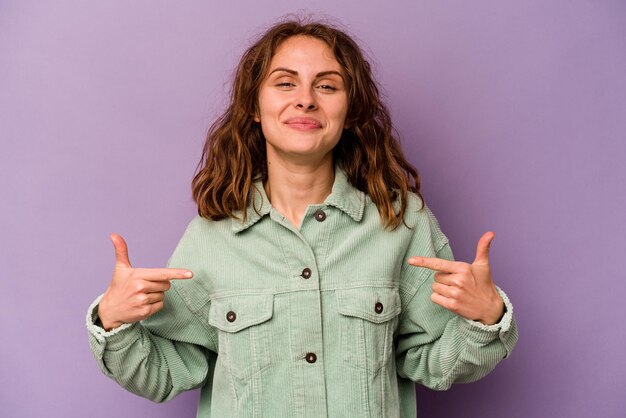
<point x="302" y="102"/>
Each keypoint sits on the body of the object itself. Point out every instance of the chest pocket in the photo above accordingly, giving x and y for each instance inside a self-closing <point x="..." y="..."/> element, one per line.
<point x="244" y="335"/>
<point x="369" y="316"/>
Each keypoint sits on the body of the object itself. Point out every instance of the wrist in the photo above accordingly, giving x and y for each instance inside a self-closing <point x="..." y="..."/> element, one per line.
<point x="103" y="321"/>
<point x="496" y="314"/>
<point x="109" y="326"/>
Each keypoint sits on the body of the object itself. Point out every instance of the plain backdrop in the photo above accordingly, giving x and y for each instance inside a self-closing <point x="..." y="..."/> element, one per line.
<point x="513" y="111"/>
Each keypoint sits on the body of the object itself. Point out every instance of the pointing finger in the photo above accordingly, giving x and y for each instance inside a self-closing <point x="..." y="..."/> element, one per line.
<point x="121" y="251"/>
<point x="163" y="274"/>
<point x="482" y="249"/>
<point x="436" y="264"/>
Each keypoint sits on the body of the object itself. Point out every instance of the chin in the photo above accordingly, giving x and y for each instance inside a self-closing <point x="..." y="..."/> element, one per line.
<point x="314" y="154"/>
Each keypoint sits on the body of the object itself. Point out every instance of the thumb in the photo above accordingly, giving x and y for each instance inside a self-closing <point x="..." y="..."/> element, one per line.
<point x="482" y="249"/>
<point x="121" y="251"/>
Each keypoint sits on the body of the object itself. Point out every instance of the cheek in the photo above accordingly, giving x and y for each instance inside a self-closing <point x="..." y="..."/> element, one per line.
<point x="339" y="114"/>
<point x="264" y="101"/>
<point x="269" y="106"/>
<point x="339" y="107"/>
<point x="260" y="105"/>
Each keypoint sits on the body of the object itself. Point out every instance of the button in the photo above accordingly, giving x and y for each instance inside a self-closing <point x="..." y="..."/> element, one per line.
<point x="231" y="316"/>
<point x="320" y="215"/>
<point x="306" y="273"/>
<point x="378" y="307"/>
<point x="311" y="358"/>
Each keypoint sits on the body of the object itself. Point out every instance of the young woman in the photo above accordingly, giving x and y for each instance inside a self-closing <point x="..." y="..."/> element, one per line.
<point x="322" y="285"/>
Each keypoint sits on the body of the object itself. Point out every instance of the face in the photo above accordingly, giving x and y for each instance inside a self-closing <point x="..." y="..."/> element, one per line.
<point x="302" y="102"/>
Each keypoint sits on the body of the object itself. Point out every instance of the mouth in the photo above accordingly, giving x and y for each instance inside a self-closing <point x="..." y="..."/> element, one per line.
<point x="303" y="124"/>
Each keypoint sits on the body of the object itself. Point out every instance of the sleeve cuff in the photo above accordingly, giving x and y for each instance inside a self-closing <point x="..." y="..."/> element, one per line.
<point x="115" y="339"/>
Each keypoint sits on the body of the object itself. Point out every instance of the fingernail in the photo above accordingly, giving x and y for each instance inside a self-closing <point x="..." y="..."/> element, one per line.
<point x="188" y="274"/>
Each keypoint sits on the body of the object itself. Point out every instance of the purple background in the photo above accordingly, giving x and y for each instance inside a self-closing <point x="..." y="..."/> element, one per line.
<point x="514" y="112"/>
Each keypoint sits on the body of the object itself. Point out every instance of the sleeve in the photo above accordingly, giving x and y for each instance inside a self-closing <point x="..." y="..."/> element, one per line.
<point x="164" y="355"/>
<point x="435" y="347"/>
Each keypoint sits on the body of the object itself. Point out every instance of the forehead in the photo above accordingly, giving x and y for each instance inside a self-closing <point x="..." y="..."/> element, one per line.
<point x="305" y="51"/>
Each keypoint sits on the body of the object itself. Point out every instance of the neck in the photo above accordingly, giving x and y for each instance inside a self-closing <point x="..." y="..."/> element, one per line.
<point x="292" y="187"/>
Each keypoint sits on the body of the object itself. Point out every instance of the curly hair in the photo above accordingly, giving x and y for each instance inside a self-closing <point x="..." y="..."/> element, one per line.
<point x="234" y="154"/>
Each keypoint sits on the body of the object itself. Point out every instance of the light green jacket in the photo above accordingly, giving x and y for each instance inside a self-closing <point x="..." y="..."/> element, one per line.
<point x="328" y="320"/>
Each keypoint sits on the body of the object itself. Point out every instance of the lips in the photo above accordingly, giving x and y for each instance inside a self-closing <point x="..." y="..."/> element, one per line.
<point x="303" y="124"/>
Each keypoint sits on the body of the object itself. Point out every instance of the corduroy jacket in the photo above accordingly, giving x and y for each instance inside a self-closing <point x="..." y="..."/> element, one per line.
<point x="324" y="320"/>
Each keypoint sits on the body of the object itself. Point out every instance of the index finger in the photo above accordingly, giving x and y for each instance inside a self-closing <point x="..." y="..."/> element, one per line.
<point x="157" y="275"/>
<point x="436" y="264"/>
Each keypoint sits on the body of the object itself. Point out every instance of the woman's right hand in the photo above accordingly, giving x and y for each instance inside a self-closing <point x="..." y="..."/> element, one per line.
<point x="134" y="293"/>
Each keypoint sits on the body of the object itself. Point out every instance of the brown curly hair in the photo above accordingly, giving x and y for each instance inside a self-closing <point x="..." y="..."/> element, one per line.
<point x="234" y="154"/>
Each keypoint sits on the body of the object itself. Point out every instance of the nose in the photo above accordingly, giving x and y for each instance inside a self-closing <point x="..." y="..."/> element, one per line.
<point x="306" y="101"/>
<point x="310" y="106"/>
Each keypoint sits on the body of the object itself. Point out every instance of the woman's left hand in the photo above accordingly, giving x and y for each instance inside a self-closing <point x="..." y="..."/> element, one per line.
<point x="466" y="289"/>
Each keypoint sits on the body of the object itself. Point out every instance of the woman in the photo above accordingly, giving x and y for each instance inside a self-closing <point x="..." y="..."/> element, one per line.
<point x="322" y="285"/>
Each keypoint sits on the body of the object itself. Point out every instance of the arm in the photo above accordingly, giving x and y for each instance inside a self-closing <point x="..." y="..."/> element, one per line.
<point x="159" y="357"/>
<point x="435" y="346"/>
<point x="154" y="342"/>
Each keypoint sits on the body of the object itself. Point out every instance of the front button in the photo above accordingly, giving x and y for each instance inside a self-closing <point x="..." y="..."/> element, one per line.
<point x="306" y="273"/>
<point x="311" y="358"/>
<point x="231" y="316"/>
<point x="320" y="215"/>
<point x="378" y="307"/>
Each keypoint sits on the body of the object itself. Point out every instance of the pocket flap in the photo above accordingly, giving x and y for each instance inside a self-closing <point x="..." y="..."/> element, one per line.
<point x="234" y="313"/>
<point x="374" y="304"/>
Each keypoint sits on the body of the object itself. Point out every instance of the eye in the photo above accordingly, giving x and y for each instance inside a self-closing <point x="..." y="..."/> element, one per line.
<point x="285" y="84"/>
<point x="327" y="87"/>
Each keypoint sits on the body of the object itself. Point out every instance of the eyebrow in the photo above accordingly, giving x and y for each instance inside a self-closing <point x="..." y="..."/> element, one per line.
<point x="294" y="72"/>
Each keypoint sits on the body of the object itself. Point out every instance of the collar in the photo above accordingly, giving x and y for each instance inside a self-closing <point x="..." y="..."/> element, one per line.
<point x="343" y="196"/>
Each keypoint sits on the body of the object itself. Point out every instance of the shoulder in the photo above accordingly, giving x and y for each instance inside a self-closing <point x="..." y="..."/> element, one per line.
<point x="423" y="221"/>
<point x="203" y="236"/>
<point x="199" y="224"/>
<point x="416" y="210"/>
<point x="414" y="204"/>
<point x="416" y="215"/>
<point x="200" y="227"/>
